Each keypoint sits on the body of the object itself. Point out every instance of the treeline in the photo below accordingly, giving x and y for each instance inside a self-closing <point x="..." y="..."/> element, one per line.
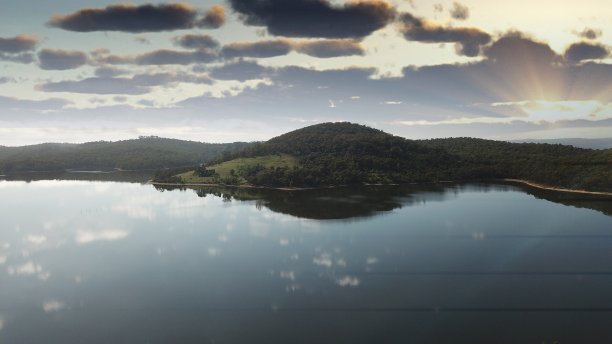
<point x="550" y="164"/>
<point x="140" y="154"/>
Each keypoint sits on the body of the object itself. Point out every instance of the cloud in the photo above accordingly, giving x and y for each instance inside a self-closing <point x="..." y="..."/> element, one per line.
<point x="53" y="306"/>
<point x="316" y="18"/>
<point x="17" y="58"/>
<point x="261" y="49"/>
<point x="10" y="103"/>
<point x="18" y="49"/>
<point x="241" y="71"/>
<point x="6" y="80"/>
<point x="158" y="57"/>
<point x="18" y="44"/>
<point x="88" y="237"/>
<point x="196" y="41"/>
<point x="137" y="85"/>
<point x="109" y="72"/>
<point x="581" y="51"/>
<point x="589" y="33"/>
<point x="459" y="11"/>
<point x="519" y="51"/>
<point x="330" y="48"/>
<point x="280" y="47"/>
<point x="56" y="59"/>
<point x="135" y="19"/>
<point x="214" y="18"/>
<point x="469" y="40"/>
<point x="95" y="86"/>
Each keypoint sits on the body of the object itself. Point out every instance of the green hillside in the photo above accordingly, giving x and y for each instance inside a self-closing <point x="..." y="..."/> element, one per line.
<point x="142" y="153"/>
<point x="232" y="171"/>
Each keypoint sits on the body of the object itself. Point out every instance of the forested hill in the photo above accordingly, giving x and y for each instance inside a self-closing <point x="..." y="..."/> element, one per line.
<point x="551" y="164"/>
<point x="343" y="153"/>
<point x="142" y="153"/>
<point x="346" y="153"/>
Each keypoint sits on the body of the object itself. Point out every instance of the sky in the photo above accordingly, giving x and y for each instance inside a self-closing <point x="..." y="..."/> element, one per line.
<point x="245" y="70"/>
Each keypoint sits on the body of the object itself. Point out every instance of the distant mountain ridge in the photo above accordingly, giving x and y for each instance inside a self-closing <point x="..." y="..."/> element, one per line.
<point x="603" y="143"/>
<point x="143" y="153"/>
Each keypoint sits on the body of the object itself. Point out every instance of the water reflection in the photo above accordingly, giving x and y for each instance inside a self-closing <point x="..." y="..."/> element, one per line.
<point x="113" y="176"/>
<point x="97" y="262"/>
<point x="362" y="202"/>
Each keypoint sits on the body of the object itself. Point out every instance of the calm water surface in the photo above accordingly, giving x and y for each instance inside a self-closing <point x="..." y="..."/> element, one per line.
<point x="108" y="262"/>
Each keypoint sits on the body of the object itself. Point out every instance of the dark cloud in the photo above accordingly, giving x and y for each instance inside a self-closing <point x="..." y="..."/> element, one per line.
<point x="137" y="85"/>
<point x="214" y="18"/>
<point x="164" y="79"/>
<point x="330" y="48"/>
<point x="316" y="18"/>
<point x="240" y="70"/>
<point x="589" y="33"/>
<point x="469" y="40"/>
<point x="158" y="57"/>
<point x="18" y="49"/>
<point x="515" y="46"/>
<point x="109" y="72"/>
<point x="195" y="41"/>
<point x="261" y="49"/>
<point x="143" y="18"/>
<point x="18" y="44"/>
<point x="95" y="86"/>
<point x="459" y="11"/>
<point x="56" y="59"/>
<point x="280" y="47"/>
<point x="581" y="51"/>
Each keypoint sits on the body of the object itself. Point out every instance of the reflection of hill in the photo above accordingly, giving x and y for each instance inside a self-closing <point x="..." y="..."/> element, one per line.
<point x="600" y="203"/>
<point x="111" y="176"/>
<point x="356" y="202"/>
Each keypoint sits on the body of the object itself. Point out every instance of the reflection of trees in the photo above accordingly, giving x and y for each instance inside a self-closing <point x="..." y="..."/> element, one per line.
<point x="111" y="176"/>
<point x="355" y="202"/>
<point x="336" y="203"/>
<point x="601" y="203"/>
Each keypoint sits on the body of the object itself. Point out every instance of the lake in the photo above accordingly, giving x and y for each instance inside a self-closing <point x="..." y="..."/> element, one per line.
<point x="117" y="262"/>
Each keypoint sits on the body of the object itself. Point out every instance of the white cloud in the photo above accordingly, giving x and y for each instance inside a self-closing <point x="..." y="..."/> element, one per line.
<point x="324" y="259"/>
<point x="348" y="281"/>
<point x="36" y="240"/>
<point x="87" y="237"/>
<point x="53" y="306"/>
<point x="28" y="268"/>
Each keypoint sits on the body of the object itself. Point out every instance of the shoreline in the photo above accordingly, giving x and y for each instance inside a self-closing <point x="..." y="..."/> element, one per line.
<point x="518" y="181"/>
<point x="286" y="188"/>
<point x="557" y="189"/>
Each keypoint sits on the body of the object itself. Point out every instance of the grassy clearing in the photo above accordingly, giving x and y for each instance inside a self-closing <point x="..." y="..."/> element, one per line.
<point x="224" y="169"/>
